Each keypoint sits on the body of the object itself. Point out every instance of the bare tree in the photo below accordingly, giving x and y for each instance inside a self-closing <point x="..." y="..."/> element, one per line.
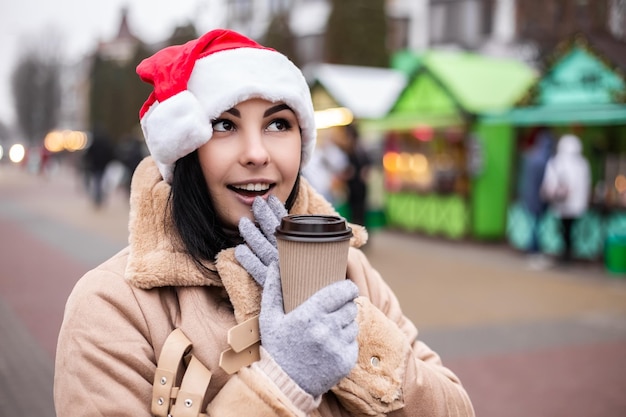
<point x="357" y="33"/>
<point x="36" y="85"/>
<point x="4" y="133"/>
<point x="279" y="36"/>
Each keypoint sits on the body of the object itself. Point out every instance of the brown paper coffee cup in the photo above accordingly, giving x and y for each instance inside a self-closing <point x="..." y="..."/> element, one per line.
<point x="312" y="253"/>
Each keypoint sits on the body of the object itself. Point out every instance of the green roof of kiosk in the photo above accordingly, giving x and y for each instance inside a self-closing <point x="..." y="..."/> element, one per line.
<point x="445" y="86"/>
<point x="479" y="83"/>
<point x="580" y="86"/>
<point x="579" y="78"/>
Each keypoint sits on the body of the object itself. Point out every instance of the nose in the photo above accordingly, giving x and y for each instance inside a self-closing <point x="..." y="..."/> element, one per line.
<point x="254" y="152"/>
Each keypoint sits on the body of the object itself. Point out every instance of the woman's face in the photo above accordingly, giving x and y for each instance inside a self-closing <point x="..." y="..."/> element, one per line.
<point x="254" y="151"/>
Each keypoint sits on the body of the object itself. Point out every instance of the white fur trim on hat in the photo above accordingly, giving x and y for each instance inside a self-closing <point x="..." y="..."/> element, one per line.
<point x="174" y="129"/>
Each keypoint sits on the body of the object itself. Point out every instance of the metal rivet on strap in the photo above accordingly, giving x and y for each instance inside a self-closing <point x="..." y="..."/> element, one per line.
<point x="160" y="401"/>
<point x="163" y="380"/>
<point x="375" y="361"/>
<point x="188" y="403"/>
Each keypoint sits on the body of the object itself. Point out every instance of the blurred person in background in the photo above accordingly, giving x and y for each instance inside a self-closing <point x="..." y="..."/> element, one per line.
<point x="324" y="169"/>
<point x="95" y="161"/>
<point x="229" y="126"/>
<point x="356" y="175"/>
<point x="567" y="187"/>
<point x="44" y="161"/>
<point x="130" y="153"/>
<point x="533" y="168"/>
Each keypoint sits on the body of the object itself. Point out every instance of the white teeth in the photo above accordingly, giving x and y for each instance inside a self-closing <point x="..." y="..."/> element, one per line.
<point x="253" y="187"/>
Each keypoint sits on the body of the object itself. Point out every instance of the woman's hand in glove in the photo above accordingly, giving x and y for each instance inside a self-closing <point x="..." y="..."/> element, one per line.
<point x="260" y="248"/>
<point x="315" y="344"/>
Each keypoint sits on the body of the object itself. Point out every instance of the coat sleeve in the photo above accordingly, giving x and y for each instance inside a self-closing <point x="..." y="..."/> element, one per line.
<point x="105" y="363"/>
<point x="262" y="389"/>
<point x="396" y="374"/>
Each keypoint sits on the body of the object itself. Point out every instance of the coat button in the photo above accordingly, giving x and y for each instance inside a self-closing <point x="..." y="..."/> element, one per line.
<point x="163" y="380"/>
<point x="160" y="401"/>
<point x="375" y="361"/>
<point x="188" y="403"/>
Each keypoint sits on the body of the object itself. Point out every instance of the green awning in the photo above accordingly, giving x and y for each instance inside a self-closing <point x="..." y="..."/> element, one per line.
<point x="403" y="122"/>
<point x="607" y="114"/>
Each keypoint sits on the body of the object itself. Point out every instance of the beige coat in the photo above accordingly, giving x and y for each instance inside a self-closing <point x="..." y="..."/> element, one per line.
<point x="119" y="315"/>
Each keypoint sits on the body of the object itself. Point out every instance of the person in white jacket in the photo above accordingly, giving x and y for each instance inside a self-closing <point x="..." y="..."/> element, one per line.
<point x="567" y="185"/>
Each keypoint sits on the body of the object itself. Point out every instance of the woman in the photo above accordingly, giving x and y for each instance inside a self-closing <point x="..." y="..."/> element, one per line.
<point x="229" y="126"/>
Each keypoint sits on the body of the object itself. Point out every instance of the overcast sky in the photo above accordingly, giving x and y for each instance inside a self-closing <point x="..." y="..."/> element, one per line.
<point x="81" y="23"/>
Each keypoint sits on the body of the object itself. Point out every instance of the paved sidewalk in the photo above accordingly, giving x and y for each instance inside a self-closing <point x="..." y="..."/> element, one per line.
<point x="49" y="237"/>
<point x="542" y="343"/>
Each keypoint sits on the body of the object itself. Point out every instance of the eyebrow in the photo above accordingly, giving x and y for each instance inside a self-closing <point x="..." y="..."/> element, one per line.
<point x="276" y="109"/>
<point x="234" y="112"/>
<point x="268" y="112"/>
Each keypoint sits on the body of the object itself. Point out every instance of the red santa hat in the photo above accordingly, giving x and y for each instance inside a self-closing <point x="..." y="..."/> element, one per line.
<point x="196" y="82"/>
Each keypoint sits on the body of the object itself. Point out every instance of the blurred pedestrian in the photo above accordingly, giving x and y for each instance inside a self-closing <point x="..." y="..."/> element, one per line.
<point x="325" y="169"/>
<point x="567" y="187"/>
<point x="533" y="168"/>
<point x="44" y="161"/>
<point x="356" y="175"/>
<point x="229" y="126"/>
<point x="130" y="152"/>
<point x="95" y="161"/>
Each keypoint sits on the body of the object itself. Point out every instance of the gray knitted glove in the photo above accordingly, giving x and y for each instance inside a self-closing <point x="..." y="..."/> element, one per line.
<point x="260" y="248"/>
<point x="315" y="344"/>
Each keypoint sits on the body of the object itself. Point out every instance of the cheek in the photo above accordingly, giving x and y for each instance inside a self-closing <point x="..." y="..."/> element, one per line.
<point x="289" y="168"/>
<point x="212" y="167"/>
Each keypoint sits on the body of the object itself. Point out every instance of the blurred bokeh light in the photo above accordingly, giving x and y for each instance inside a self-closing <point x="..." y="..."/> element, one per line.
<point x="338" y="116"/>
<point x="620" y="184"/>
<point x="17" y="153"/>
<point x="65" y="140"/>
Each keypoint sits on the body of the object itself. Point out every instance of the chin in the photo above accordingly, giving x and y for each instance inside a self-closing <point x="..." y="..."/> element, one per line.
<point x="238" y="216"/>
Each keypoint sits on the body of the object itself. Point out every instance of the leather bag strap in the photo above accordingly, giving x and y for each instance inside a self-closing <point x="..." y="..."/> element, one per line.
<point x="164" y="389"/>
<point x="192" y="390"/>
<point x="244" y="341"/>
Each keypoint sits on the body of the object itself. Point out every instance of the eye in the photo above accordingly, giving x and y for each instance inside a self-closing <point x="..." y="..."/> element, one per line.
<point x="223" y="125"/>
<point x="279" y="125"/>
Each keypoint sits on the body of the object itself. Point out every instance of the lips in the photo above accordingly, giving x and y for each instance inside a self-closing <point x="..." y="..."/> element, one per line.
<point x="252" y="189"/>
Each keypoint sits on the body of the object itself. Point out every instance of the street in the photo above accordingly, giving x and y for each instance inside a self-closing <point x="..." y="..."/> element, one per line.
<point x="524" y="343"/>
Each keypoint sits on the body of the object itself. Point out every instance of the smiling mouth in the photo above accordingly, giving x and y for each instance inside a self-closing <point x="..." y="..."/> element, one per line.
<point x="252" y="189"/>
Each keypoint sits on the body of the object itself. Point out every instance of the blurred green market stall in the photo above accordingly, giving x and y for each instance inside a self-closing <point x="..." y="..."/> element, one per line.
<point x="583" y="91"/>
<point x="446" y="173"/>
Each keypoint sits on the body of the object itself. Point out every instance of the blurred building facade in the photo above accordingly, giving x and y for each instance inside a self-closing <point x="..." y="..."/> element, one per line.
<point x="75" y="79"/>
<point x="75" y="91"/>
<point x="523" y="30"/>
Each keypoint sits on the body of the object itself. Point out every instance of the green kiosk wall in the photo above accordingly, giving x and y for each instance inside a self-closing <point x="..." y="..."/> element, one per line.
<point x="491" y="182"/>
<point x="453" y="89"/>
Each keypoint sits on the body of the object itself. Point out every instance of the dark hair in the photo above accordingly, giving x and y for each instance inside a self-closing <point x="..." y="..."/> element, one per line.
<point x="202" y="233"/>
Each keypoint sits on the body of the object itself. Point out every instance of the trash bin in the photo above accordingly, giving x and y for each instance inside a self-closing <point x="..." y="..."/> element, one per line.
<point x="615" y="254"/>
